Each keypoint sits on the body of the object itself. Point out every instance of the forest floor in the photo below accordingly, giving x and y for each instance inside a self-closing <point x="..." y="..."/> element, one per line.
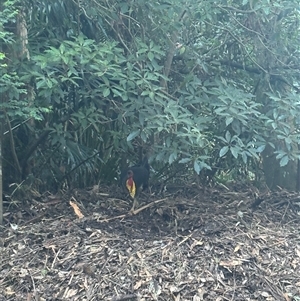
<point x="224" y="243"/>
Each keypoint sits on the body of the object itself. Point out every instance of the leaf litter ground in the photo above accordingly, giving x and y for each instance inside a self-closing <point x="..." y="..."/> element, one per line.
<point x="193" y="244"/>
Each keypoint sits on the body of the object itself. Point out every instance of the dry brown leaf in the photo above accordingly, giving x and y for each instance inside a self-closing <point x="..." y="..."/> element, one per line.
<point x="230" y="263"/>
<point x="23" y="272"/>
<point x="71" y="293"/>
<point x="201" y="292"/>
<point x="76" y="209"/>
<point x="95" y="189"/>
<point x="286" y="296"/>
<point x="265" y="294"/>
<point x="196" y="243"/>
<point x="147" y="273"/>
<point x="237" y="248"/>
<point x="174" y="289"/>
<point x="138" y="285"/>
<point x="131" y="258"/>
<point x="9" y="291"/>
<point x="139" y="255"/>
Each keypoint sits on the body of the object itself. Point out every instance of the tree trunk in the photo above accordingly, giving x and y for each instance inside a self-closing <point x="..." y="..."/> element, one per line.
<point x="276" y="176"/>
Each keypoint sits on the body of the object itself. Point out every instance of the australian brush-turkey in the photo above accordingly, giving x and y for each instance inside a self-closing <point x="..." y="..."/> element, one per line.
<point x="134" y="178"/>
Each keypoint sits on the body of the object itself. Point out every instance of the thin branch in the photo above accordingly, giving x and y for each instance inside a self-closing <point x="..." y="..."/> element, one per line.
<point x="12" y="146"/>
<point x="241" y="43"/>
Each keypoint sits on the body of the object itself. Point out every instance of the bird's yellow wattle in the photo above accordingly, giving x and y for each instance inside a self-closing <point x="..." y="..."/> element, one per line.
<point x="131" y="187"/>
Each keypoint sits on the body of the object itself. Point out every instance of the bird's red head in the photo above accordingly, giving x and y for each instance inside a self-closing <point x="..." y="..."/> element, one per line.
<point x="130" y="177"/>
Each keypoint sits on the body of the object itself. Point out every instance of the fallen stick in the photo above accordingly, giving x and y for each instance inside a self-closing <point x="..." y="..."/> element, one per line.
<point x="147" y="206"/>
<point x="133" y="212"/>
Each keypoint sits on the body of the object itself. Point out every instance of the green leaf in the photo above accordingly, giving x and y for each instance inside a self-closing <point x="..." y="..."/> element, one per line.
<point x="151" y="95"/>
<point x="184" y="160"/>
<point x="228" y="136"/>
<point x="172" y="157"/>
<point x="261" y="148"/>
<point x="65" y="60"/>
<point x="234" y="151"/>
<point x="106" y="92"/>
<point x="223" y="151"/>
<point x="132" y="135"/>
<point x="141" y="119"/>
<point x="155" y="65"/>
<point x="40" y="83"/>
<point x="284" y="161"/>
<point x="182" y="50"/>
<point x="244" y="157"/>
<point x="143" y="136"/>
<point x="197" y="167"/>
<point x="145" y="92"/>
<point x="116" y="92"/>
<point x="150" y="56"/>
<point x="229" y="120"/>
<point x="168" y="141"/>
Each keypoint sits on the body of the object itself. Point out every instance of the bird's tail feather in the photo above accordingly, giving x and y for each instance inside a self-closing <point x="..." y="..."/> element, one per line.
<point x="145" y="163"/>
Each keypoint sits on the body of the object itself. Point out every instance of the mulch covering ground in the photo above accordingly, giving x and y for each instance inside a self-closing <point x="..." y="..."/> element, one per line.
<point x="193" y="244"/>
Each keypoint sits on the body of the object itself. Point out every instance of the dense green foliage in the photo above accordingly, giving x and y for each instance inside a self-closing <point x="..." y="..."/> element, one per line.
<point x="202" y="86"/>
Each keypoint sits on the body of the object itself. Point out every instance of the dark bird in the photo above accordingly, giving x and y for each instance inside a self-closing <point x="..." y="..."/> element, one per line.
<point x="134" y="178"/>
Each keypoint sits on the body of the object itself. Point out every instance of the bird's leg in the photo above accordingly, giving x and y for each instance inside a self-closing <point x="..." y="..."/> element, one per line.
<point x="135" y="203"/>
